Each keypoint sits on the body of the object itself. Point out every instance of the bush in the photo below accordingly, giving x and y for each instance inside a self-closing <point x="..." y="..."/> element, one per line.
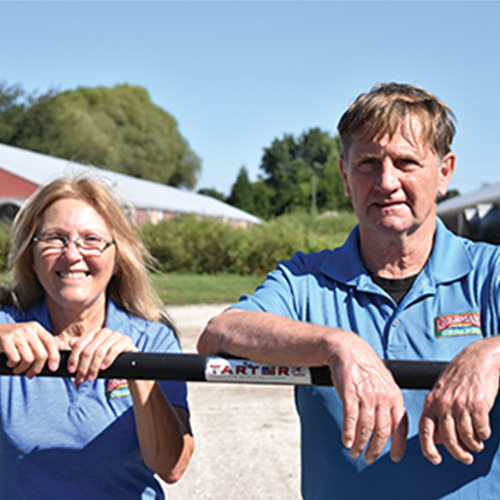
<point x="4" y="246"/>
<point x="189" y="244"/>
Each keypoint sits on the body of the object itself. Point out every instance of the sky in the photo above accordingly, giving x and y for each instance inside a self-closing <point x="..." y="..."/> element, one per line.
<point x="238" y="74"/>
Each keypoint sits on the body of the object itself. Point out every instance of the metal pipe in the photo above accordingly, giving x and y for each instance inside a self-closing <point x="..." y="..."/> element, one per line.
<point x="209" y="368"/>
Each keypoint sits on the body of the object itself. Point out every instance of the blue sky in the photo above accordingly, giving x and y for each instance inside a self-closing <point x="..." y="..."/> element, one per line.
<point x="238" y="74"/>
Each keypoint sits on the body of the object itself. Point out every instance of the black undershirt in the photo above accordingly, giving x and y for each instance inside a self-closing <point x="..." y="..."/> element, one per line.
<point x="396" y="288"/>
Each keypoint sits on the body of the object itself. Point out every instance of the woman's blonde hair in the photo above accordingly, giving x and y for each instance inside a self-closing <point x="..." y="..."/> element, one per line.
<point x="129" y="288"/>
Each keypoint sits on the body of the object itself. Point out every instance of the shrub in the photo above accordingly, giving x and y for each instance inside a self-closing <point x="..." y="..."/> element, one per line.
<point x="190" y="244"/>
<point x="4" y="245"/>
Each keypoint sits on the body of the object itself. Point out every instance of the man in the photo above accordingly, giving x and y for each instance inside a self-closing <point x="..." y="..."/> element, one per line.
<point x="401" y="287"/>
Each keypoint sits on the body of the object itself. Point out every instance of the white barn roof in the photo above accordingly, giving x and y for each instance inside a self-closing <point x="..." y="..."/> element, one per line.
<point x="485" y="195"/>
<point x="142" y="194"/>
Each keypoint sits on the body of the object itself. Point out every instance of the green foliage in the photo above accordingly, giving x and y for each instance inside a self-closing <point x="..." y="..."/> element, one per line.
<point x="301" y="175"/>
<point x="242" y="193"/>
<point x="4" y="246"/>
<point x="190" y="245"/>
<point x="451" y="193"/>
<point x="212" y="193"/>
<point x="116" y="128"/>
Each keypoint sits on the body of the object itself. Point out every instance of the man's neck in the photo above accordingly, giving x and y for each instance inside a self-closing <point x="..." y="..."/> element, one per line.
<point x="396" y="256"/>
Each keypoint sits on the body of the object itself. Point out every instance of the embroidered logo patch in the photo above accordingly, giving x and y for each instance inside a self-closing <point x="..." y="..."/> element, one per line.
<point x="117" y="388"/>
<point x="452" y="325"/>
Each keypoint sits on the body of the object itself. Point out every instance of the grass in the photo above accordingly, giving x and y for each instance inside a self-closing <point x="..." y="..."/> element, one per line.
<point x="180" y="289"/>
<point x="183" y="289"/>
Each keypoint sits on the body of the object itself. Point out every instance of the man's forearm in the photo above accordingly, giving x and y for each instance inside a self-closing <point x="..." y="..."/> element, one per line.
<point x="268" y="338"/>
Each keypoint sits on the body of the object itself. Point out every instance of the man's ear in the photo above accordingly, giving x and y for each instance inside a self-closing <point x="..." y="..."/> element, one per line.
<point x="347" y="189"/>
<point x="446" y="169"/>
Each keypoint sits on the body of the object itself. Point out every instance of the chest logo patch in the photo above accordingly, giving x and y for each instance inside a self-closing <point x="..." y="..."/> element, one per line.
<point x="453" y="325"/>
<point x="117" y="388"/>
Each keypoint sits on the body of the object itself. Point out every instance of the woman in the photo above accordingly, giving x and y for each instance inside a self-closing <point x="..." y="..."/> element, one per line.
<point x="79" y="283"/>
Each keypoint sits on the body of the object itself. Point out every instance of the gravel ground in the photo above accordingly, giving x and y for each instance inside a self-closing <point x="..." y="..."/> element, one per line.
<point x="247" y="436"/>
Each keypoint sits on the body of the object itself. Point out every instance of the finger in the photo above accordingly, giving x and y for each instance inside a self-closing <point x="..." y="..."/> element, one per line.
<point x="466" y="432"/>
<point x="427" y="437"/>
<point x="481" y="425"/>
<point x="364" y="429"/>
<point x="448" y="436"/>
<point x="26" y="357"/>
<point x="399" y="434"/>
<point x="39" y="357"/>
<point x="380" y="434"/>
<point x="79" y="360"/>
<point x="106" y="353"/>
<point x="349" y="423"/>
<point x="51" y="346"/>
<point x="86" y="357"/>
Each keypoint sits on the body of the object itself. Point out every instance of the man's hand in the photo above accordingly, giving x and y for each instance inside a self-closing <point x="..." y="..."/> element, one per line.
<point x="373" y="403"/>
<point x="456" y="410"/>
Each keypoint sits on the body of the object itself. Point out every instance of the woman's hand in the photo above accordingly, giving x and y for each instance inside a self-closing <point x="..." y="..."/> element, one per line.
<point x="96" y="351"/>
<point x="28" y="347"/>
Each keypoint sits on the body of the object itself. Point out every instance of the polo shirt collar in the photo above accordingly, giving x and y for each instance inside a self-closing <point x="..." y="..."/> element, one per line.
<point x="449" y="261"/>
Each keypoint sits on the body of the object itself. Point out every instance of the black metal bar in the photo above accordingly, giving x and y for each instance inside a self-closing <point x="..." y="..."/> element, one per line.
<point x="207" y="368"/>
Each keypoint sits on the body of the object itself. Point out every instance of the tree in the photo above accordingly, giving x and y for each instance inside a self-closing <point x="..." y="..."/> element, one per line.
<point x="302" y="173"/>
<point x="213" y="193"/>
<point x="242" y="194"/>
<point x="116" y="128"/>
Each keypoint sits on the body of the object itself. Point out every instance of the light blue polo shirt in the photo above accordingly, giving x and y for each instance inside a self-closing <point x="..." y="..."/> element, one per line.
<point x="60" y="443"/>
<point x="453" y="302"/>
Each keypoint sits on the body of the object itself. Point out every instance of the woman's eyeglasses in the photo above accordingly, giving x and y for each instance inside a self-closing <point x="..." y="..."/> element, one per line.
<point x="87" y="245"/>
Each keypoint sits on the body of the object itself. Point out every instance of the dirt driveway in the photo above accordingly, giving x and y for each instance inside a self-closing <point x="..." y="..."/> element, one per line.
<point x="247" y="436"/>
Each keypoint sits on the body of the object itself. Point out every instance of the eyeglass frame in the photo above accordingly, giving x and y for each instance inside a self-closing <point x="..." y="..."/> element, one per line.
<point x="77" y="241"/>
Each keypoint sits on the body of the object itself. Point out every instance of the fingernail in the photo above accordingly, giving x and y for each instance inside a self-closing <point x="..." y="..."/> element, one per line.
<point x="53" y="367"/>
<point x="71" y="368"/>
<point x="80" y="380"/>
<point x="103" y="366"/>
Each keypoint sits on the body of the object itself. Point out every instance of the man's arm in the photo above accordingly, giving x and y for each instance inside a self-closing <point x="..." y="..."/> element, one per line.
<point x="456" y="411"/>
<point x="373" y="403"/>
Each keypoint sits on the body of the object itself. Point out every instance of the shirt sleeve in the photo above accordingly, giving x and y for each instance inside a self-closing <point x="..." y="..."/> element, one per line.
<point x="280" y="292"/>
<point x="7" y="315"/>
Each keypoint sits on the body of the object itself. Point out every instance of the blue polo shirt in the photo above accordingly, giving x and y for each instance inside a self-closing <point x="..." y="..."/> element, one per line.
<point x="453" y="302"/>
<point x="57" y="442"/>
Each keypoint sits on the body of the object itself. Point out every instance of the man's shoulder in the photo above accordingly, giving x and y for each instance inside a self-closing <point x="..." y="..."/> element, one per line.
<point x="309" y="261"/>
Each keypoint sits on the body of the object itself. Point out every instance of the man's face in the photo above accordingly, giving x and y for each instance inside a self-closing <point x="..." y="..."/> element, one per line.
<point x="394" y="183"/>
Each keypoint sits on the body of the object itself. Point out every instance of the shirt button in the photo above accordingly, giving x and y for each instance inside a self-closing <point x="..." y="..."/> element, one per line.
<point x="396" y="322"/>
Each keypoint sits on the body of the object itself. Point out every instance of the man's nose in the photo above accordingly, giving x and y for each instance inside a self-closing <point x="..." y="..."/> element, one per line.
<point x="388" y="177"/>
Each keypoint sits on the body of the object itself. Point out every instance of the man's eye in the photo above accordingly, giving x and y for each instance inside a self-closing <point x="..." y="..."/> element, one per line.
<point x="406" y="163"/>
<point x="367" y="166"/>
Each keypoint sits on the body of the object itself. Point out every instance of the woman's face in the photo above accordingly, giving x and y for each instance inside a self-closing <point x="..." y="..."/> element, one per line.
<point x="73" y="279"/>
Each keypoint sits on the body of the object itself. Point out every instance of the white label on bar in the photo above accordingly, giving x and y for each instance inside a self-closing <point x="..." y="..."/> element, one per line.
<point x="244" y="371"/>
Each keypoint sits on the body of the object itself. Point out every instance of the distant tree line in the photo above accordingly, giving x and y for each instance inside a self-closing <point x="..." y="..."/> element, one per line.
<point x="299" y="174"/>
<point x="120" y="129"/>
